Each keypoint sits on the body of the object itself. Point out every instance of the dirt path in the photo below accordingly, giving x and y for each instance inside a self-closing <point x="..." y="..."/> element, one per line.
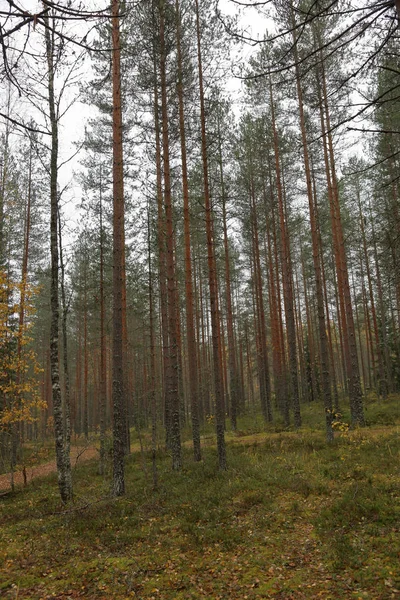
<point x="79" y="454"/>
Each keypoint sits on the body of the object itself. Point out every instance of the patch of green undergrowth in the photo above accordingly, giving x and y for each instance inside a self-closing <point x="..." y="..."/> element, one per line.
<point x="292" y="517"/>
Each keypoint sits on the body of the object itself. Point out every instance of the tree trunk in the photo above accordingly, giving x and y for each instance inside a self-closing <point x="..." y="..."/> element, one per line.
<point x="118" y="392"/>
<point x="265" y="386"/>
<point x="190" y="325"/>
<point x="103" y="349"/>
<point x="287" y="277"/>
<point x="234" y="388"/>
<point x="62" y="457"/>
<point x="212" y="276"/>
<point x="152" y="394"/>
<point x="67" y="391"/>
<point x="85" y="346"/>
<point x="356" y="403"/>
<point x="162" y="262"/>
<point x="172" y="383"/>
<point x="317" y="256"/>
<point x="382" y="388"/>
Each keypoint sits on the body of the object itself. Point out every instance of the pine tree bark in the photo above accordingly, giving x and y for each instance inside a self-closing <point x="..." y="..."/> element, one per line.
<point x="190" y="324"/>
<point x="152" y="392"/>
<point x="350" y="343"/>
<point x="172" y="382"/>
<point x="212" y="276"/>
<point x="234" y="389"/>
<point x="285" y="408"/>
<point x="118" y="392"/>
<point x="85" y="347"/>
<point x="274" y="319"/>
<point x="265" y="385"/>
<point x="382" y="388"/>
<point x="382" y="310"/>
<point x="103" y="349"/>
<point x="310" y="340"/>
<point x="287" y="276"/>
<point x="161" y="261"/>
<point x="317" y="257"/>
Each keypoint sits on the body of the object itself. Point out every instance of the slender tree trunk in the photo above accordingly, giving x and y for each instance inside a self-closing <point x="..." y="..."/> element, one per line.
<point x="300" y="341"/>
<point x="153" y="398"/>
<point x="78" y="377"/>
<point x="212" y="275"/>
<point x="3" y="180"/>
<point x="368" y="339"/>
<point x="310" y="340"/>
<point x="67" y="390"/>
<point x="382" y="389"/>
<point x="325" y="298"/>
<point x="85" y="347"/>
<point x="287" y="277"/>
<point x="360" y="346"/>
<point x="118" y="392"/>
<point x="172" y="382"/>
<point x="190" y="325"/>
<point x="199" y="334"/>
<point x="103" y="349"/>
<point x="162" y="262"/>
<point x="382" y="311"/>
<point x="356" y="403"/>
<point x="249" y="365"/>
<point x="285" y="408"/>
<point x="62" y="458"/>
<point x="265" y="386"/>
<point x="274" y="319"/>
<point x="233" y="370"/>
<point x="317" y="256"/>
<point x="17" y="430"/>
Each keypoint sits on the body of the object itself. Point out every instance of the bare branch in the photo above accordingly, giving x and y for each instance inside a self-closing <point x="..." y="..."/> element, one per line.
<point x="23" y="125"/>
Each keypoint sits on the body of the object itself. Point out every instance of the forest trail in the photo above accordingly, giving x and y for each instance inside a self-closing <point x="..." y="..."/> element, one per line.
<point x="78" y="454"/>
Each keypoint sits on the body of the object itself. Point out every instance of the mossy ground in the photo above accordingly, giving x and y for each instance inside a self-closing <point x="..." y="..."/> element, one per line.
<point x="292" y="518"/>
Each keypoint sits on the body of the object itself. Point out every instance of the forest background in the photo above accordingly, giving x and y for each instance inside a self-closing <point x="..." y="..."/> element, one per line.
<point x="217" y="257"/>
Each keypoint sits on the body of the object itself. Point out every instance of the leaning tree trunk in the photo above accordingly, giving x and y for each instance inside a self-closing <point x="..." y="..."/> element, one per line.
<point x="62" y="457"/>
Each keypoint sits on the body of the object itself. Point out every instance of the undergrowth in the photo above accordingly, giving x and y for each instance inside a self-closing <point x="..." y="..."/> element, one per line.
<point x="291" y="518"/>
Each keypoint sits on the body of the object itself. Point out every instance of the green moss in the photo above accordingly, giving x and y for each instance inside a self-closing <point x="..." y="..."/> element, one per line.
<point x="292" y="515"/>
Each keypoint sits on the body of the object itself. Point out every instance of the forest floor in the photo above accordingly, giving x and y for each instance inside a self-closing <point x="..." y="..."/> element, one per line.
<point x="292" y="518"/>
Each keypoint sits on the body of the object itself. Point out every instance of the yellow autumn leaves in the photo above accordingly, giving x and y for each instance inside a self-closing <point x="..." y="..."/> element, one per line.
<point x="19" y="397"/>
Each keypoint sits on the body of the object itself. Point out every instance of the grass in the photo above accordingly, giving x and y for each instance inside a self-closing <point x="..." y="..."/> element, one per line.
<point x="292" y="518"/>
